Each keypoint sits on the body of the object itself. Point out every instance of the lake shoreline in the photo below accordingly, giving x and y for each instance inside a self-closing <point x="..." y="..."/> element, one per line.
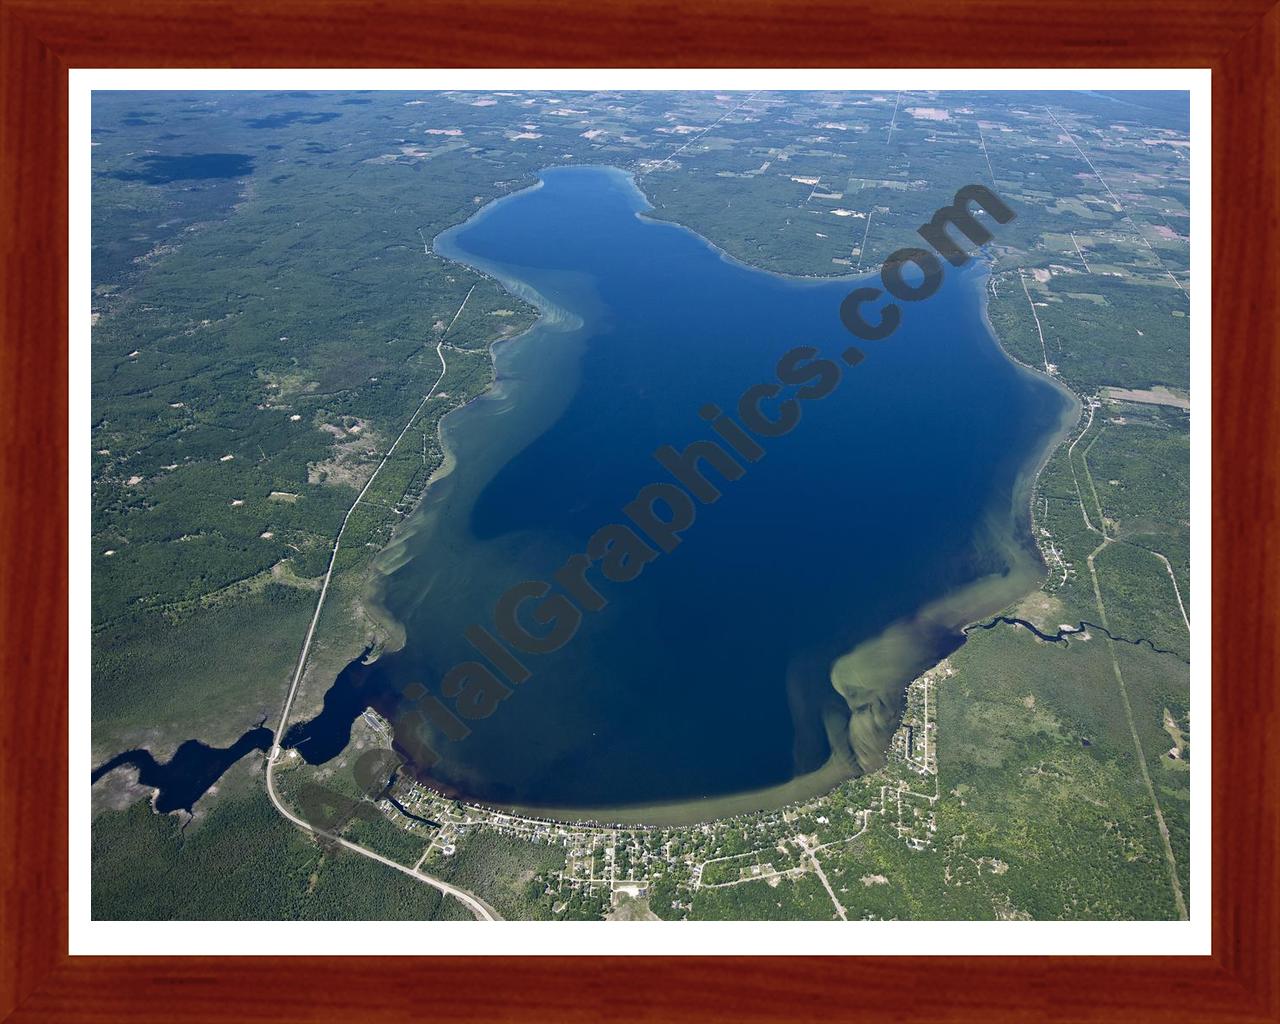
<point x="950" y="612"/>
<point x="390" y="632"/>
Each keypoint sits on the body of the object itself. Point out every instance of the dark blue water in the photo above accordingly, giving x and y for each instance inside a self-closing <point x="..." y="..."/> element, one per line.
<point x="194" y="767"/>
<point x="710" y="674"/>
<point x="157" y="169"/>
<point x="1064" y="633"/>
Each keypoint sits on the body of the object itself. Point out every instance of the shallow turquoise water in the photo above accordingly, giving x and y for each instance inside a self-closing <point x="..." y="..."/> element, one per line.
<point x="709" y="673"/>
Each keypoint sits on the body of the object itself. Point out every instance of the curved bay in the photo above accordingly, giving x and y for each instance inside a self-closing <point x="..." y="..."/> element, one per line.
<point x="766" y="655"/>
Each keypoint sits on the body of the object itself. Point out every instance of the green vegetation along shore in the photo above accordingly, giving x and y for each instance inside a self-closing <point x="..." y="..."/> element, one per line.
<point x="263" y="329"/>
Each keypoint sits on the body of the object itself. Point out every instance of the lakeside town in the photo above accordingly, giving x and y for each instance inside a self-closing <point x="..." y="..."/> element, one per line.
<point x="611" y="870"/>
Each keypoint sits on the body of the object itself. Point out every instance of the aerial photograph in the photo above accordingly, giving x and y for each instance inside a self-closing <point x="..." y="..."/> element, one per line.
<point x="640" y="506"/>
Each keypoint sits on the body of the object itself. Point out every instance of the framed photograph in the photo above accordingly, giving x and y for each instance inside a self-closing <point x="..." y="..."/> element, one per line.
<point x="706" y="541"/>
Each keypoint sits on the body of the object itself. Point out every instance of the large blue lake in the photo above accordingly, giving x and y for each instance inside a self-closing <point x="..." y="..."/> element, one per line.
<point x="894" y="513"/>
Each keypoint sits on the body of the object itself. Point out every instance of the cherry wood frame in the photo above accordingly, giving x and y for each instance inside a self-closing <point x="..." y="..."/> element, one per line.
<point x="41" y="39"/>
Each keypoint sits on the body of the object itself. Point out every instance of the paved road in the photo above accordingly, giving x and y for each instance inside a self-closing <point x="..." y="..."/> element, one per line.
<point x="333" y="558"/>
<point x="481" y="910"/>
